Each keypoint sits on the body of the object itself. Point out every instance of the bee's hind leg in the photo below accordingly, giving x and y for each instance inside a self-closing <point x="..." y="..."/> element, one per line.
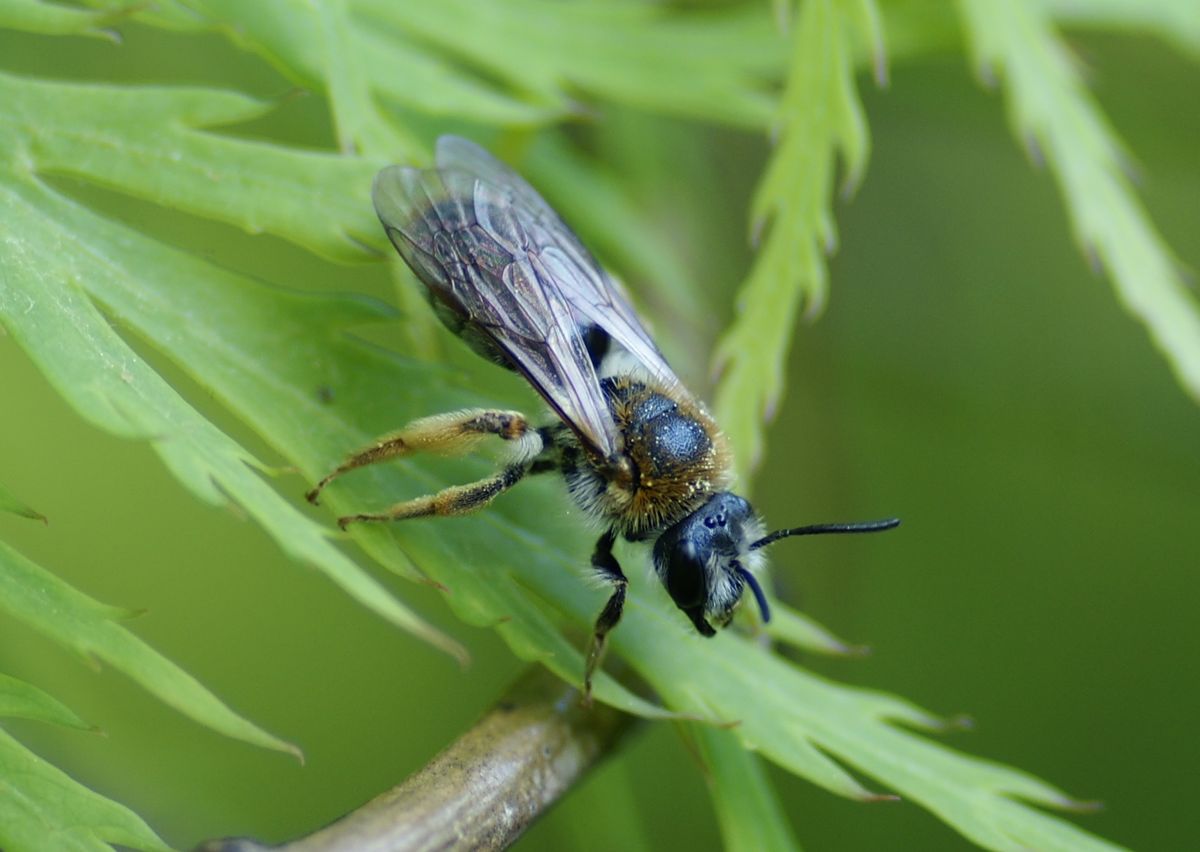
<point x="456" y="500"/>
<point x="608" y="567"/>
<point x="445" y="434"/>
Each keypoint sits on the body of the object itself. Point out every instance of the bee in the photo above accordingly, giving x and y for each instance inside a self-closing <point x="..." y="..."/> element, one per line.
<point x="638" y="452"/>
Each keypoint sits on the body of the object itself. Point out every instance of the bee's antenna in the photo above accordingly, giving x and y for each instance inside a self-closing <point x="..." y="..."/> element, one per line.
<point x="821" y="529"/>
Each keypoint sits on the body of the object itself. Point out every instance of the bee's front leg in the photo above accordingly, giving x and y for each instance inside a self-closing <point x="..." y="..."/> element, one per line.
<point x="608" y="567"/>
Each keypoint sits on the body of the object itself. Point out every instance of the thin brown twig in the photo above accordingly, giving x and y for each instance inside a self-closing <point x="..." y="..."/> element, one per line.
<point x="484" y="789"/>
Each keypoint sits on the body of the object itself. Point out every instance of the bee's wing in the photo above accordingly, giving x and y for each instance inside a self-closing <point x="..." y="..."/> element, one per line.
<point x="581" y="280"/>
<point x="498" y="285"/>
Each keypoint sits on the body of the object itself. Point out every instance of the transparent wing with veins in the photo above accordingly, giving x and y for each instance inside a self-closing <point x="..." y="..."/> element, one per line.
<point x="506" y="274"/>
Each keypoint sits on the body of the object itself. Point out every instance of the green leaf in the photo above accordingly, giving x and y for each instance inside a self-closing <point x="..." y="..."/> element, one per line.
<point x="19" y="699"/>
<point x="63" y="246"/>
<point x="47" y="809"/>
<point x="149" y="142"/>
<point x="360" y="63"/>
<point x="713" y="66"/>
<point x="747" y="809"/>
<point x="811" y="727"/>
<point x="797" y="629"/>
<point x="1053" y="115"/>
<point x="361" y="126"/>
<point x="317" y="45"/>
<point x="820" y="119"/>
<point x="36" y="16"/>
<point x="71" y="618"/>
<point x="1176" y="22"/>
<point x="9" y="502"/>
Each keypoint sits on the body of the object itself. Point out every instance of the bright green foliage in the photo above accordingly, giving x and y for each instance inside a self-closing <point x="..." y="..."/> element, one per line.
<point x="1175" y="21"/>
<point x="713" y="66"/>
<point x="820" y="119"/>
<point x="65" y="248"/>
<point x="92" y="629"/>
<point x="37" y="16"/>
<point x="131" y="138"/>
<point x="22" y="700"/>
<point x="747" y="810"/>
<point x="796" y="629"/>
<point x="1050" y="110"/>
<point x="43" y="808"/>
<point x="392" y="73"/>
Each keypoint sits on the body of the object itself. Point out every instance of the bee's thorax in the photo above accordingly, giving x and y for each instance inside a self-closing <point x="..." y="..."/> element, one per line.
<point x="672" y="459"/>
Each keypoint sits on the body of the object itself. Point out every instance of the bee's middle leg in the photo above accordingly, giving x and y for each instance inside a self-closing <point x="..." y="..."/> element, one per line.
<point x="608" y="567"/>
<point x="445" y="434"/>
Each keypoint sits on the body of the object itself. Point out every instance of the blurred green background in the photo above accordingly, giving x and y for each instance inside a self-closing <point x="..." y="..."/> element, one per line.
<point x="970" y="375"/>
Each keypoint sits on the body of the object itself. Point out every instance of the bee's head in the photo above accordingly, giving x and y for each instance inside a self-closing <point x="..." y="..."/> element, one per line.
<point x="707" y="560"/>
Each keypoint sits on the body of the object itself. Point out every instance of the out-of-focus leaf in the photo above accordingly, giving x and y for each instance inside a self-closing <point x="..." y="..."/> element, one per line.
<point x="19" y="699"/>
<point x="50" y="810"/>
<point x="317" y="45"/>
<point x="747" y="809"/>
<point x="37" y="16"/>
<point x="1053" y="115"/>
<point x="71" y="618"/>
<point x="395" y="69"/>
<point x="714" y="66"/>
<point x="1176" y="22"/>
<point x="360" y="124"/>
<point x="820" y="119"/>
<point x="10" y="502"/>
<point x="797" y="629"/>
